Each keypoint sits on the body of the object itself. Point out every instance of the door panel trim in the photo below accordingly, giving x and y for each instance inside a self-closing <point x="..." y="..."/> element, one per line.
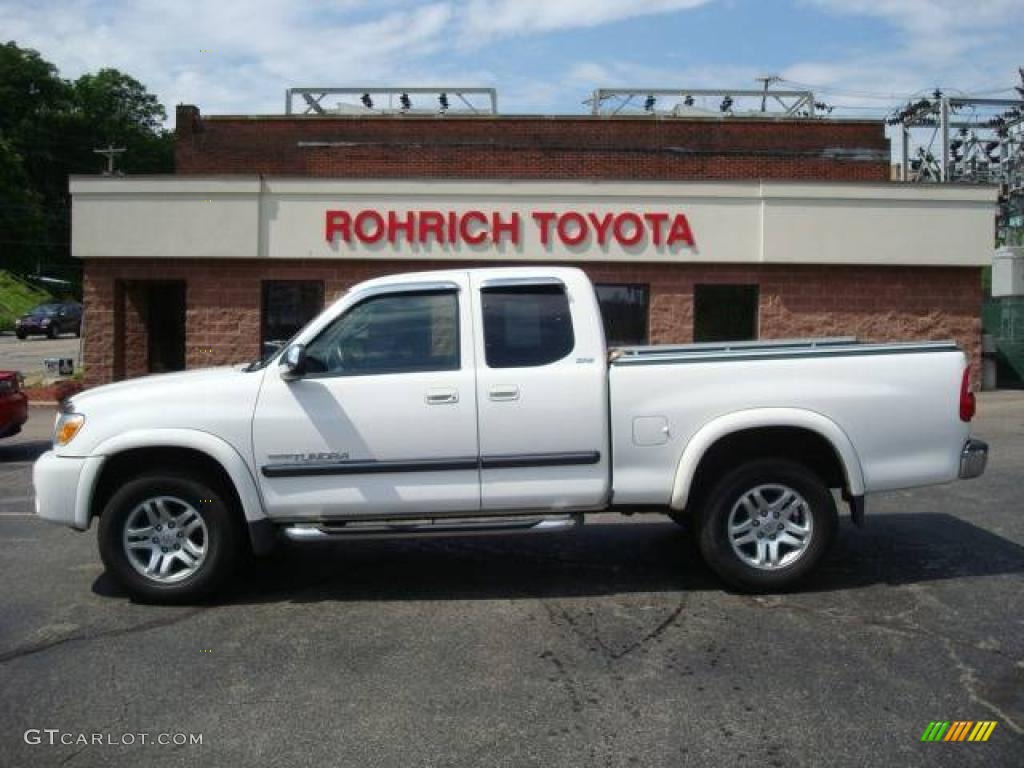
<point x="518" y="460"/>
<point x="369" y="467"/>
<point x="509" y="461"/>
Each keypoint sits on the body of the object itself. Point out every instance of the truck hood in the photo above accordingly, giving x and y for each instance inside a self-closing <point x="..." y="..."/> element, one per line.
<point x="183" y="384"/>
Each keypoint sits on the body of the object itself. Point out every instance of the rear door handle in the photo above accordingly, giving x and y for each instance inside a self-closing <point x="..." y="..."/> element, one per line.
<point x="442" y="396"/>
<point x="503" y="393"/>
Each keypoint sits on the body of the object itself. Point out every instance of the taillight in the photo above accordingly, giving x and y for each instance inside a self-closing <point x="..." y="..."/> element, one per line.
<point x="968" y="405"/>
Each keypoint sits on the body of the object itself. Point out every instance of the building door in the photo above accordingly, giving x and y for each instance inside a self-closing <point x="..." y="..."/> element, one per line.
<point x="165" y="325"/>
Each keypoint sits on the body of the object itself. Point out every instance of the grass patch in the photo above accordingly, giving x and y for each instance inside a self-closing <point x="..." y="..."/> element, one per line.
<point x="16" y="298"/>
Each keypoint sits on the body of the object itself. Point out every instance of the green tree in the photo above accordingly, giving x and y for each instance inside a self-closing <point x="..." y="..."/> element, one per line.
<point x="114" y="108"/>
<point x="32" y="95"/>
<point x="49" y="128"/>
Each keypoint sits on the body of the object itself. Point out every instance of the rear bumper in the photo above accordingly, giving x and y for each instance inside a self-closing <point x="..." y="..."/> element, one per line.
<point x="973" y="459"/>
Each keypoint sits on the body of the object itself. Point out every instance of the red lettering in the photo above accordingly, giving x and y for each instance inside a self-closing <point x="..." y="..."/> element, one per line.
<point x="510" y="228"/>
<point x="396" y="225"/>
<point x="572" y="235"/>
<point x="656" y="220"/>
<point x="473" y="238"/>
<point x="601" y="226"/>
<point x="360" y="226"/>
<point x="543" y="219"/>
<point x="338" y="223"/>
<point x="681" y="231"/>
<point x="453" y="227"/>
<point x="431" y="223"/>
<point x="620" y="230"/>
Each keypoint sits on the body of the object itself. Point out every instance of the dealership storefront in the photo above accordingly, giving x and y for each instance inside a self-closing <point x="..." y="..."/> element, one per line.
<point x="187" y="271"/>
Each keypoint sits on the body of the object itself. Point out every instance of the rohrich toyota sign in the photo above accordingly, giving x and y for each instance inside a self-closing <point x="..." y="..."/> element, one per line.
<point x="475" y="227"/>
<point x="738" y="222"/>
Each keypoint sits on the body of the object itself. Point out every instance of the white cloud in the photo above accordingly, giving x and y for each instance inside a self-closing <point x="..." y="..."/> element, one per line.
<point x="944" y="44"/>
<point x="937" y="34"/>
<point x="491" y="18"/>
<point x="230" y="56"/>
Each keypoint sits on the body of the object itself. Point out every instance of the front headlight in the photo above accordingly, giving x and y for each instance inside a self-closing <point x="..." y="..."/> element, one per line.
<point x="68" y="425"/>
<point x="45" y="321"/>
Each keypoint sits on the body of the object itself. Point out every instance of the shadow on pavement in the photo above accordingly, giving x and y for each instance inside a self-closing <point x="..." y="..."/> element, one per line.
<point x="601" y="559"/>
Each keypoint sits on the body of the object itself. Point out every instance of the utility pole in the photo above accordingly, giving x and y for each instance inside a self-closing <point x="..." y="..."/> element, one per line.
<point x="767" y="80"/>
<point x="110" y="151"/>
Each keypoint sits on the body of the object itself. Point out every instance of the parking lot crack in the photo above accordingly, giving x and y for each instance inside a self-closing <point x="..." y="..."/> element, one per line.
<point x="34" y="648"/>
<point x="969" y="682"/>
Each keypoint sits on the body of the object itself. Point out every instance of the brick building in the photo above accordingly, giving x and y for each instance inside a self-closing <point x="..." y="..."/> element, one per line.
<point x="796" y="230"/>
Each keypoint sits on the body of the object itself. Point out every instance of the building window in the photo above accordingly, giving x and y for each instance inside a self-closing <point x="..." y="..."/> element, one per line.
<point x="624" y="310"/>
<point x="725" y="312"/>
<point x="396" y="333"/>
<point x="287" y="306"/>
<point x="526" y="325"/>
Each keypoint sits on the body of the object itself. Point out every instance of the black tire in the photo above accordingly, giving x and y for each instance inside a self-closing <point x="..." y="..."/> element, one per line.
<point x="21" y="335"/>
<point x="51" y="332"/>
<point x="222" y="545"/>
<point x="715" y="544"/>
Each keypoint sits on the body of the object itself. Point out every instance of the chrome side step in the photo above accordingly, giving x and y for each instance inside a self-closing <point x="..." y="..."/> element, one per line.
<point x="476" y="526"/>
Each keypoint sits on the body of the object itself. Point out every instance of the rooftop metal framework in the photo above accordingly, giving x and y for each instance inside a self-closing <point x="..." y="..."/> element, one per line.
<point x="689" y="102"/>
<point x="965" y="138"/>
<point x="396" y="101"/>
<point x="968" y="139"/>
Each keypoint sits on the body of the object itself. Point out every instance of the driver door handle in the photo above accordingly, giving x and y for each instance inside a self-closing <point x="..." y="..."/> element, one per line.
<point x="442" y="396"/>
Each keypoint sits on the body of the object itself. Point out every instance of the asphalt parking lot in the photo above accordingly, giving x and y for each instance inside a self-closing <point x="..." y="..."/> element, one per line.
<point x="27" y="355"/>
<point x="613" y="646"/>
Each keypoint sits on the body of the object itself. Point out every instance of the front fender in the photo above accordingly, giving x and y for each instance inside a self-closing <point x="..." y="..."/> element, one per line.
<point x="214" y="447"/>
<point x="754" y="418"/>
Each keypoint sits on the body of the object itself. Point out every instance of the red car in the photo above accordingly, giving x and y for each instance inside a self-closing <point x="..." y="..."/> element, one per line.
<point x="13" y="404"/>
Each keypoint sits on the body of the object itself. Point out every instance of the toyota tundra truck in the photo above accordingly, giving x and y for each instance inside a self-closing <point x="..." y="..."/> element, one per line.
<point x="485" y="401"/>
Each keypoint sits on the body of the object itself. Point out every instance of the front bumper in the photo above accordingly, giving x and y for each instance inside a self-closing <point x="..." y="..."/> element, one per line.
<point x="55" y="480"/>
<point x="973" y="458"/>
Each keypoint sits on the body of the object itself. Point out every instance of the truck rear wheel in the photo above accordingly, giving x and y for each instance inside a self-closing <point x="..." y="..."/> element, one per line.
<point x="168" y="538"/>
<point x="767" y="524"/>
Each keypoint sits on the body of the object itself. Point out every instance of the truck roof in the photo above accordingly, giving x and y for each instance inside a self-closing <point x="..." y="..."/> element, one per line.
<point x="540" y="270"/>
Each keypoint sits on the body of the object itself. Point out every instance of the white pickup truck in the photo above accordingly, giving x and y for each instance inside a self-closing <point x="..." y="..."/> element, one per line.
<point x="476" y="401"/>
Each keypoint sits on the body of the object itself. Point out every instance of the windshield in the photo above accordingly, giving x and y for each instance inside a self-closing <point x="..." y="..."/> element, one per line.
<point x="46" y="310"/>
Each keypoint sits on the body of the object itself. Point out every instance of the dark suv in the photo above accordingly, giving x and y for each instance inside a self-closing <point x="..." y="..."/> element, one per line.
<point x="50" y="320"/>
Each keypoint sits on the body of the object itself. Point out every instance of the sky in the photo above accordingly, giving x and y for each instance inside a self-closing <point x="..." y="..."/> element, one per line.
<point x="864" y="57"/>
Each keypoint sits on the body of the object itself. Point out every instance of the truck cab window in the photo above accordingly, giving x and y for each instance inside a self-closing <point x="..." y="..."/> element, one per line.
<point x="397" y="333"/>
<point x="526" y="325"/>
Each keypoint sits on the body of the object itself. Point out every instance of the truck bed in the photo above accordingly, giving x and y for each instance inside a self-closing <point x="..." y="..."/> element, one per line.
<point x="894" y="404"/>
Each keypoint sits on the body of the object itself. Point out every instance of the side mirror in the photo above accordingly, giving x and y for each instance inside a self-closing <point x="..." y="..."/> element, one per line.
<point x="293" y="362"/>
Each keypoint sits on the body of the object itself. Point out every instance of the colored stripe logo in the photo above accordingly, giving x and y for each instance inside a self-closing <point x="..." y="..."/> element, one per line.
<point x="958" y="730"/>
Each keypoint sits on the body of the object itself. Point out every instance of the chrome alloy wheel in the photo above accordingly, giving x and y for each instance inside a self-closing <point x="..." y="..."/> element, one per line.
<point x="770" y="526"/>
<point x="165" y="539"/>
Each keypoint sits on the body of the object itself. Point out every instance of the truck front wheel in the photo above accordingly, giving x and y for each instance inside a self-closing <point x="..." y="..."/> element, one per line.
<point x="767" y="524"/>
<point x="168" y="538"/>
